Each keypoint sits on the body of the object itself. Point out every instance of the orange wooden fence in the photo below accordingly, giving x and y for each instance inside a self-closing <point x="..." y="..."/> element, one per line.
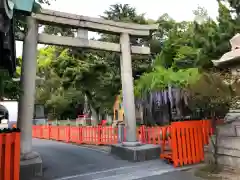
<point x="181" y="142"/>
<point x="187" y="143"/>
<point x="9" y="156"/>
<point x="99" y="135"/>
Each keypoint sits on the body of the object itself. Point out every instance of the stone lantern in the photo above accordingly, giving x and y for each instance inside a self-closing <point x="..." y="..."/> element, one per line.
<point x="231" y="59"/>
<point x="229" y="133"/>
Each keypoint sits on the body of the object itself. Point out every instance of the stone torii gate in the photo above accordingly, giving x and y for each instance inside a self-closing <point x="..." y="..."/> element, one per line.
<point x="31" y="159"/>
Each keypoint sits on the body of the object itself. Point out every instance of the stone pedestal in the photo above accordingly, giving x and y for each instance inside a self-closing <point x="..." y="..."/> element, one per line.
<point x="136" y="153"/>
<point x="228" y="145"/>
<point x="30" y="166"/>
<point x="229" y="135"/>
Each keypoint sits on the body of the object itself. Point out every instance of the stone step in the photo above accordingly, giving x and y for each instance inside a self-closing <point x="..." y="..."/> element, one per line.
<point x="227" y="130"/>
<point x="231" y="152"/>
<point x="232" y="129"/>
<point x="224" y="151"/>
<point x="226" y="160"/>
<point x="229" y="142"/>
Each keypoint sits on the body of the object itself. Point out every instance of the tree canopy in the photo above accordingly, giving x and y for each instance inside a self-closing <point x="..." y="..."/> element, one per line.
<point x="180" y="52"/>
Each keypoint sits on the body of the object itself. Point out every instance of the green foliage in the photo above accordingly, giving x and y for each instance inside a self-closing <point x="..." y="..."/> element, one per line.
<point x="60" y="102"/>
<point x="180" y="51"/>
<point x="96" y="73"/>
<point x="211" y="94"/>
<point x="9" y="89"/>
<point x="160" y="78"/>
<point x="188" y="48"/>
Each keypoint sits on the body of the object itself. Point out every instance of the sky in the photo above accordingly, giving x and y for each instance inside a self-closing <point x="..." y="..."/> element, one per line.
<point x="178" y="9"/>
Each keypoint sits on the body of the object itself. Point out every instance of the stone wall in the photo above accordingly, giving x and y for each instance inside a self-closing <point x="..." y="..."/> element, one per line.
<point x="228" y="145"/>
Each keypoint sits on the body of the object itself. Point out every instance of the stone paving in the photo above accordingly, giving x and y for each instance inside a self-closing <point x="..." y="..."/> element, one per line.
<point x="63" y="161"/>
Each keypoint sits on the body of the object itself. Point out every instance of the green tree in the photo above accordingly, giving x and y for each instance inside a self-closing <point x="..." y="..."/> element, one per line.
<point x="175" y="46"/>
<point x="60" y="103"/>
<point x="96" y="73"/>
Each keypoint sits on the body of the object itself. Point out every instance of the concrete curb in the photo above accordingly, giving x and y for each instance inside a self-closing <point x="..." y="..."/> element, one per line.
<point x="191" y="167"/>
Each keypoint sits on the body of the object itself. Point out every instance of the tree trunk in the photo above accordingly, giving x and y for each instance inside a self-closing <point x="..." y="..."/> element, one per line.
<point x="86" y="109"/>
<point x="165" y="115"/>
<point x="94" y="116"/>
<point x="147" y="116"/>
<point x="109" y="119"/>
<point x="142" y="113"/>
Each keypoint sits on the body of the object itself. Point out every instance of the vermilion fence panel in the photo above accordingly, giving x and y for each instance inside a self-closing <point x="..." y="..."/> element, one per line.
<point x="75" y="134"/>
<point x="159" y="135"/>
<point x="37" y="131"/>
<point x="187" y="143"/>
<point x="53" y="132"/>
<point x="63" y="133"/>
<point x="45" y="132"/>
<point x="91" y="135"/>
<point x="108" y="135"/>
<point x="34" y="131"/>
<point x="9" y="156"/>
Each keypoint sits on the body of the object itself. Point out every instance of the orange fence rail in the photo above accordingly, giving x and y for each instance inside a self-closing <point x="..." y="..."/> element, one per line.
<point x="10" y="155"/>
<point x="181" y="142"/>
<point x="99" y="135"/>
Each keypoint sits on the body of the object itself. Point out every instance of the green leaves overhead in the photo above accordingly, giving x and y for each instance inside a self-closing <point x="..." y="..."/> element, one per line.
<point x="160" y="78"/>
<point x="180" y="50"/>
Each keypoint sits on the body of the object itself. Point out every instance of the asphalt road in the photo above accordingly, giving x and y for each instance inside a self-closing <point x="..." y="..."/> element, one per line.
<point x="63" y="161"/>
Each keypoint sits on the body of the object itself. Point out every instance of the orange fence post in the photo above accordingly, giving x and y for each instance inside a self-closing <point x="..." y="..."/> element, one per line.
<point x="80" y="135"/>
<point x="41" y="131"/>
<point x="58" y="133"/>
<point x="49" y="131"/>
<point x="9" y="155"/>
<point x="1" y="156"/>
<point x="99" y="135"/>
<point x="16" y="158"/>
<point x="142" y="134"/>
<point x="67" y="131"/>
<point x="174" y="146"/>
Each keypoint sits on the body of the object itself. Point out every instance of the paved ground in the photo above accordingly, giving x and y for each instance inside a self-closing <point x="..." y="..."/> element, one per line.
<point x="70" y="162"/>
<point x="61" y="159"/>
<point x="177" y="175"/>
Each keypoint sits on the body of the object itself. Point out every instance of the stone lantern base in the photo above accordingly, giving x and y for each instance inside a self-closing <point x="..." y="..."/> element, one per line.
<point x="228" y="145"/>
<point x="138" y="153"/>
<point x="31" y="166"/>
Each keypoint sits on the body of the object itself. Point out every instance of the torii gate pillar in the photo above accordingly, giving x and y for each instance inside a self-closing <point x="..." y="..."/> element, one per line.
<point x="131" y="149"/>
<point x="30" y="161"/>
<point x="127" y="89"/>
